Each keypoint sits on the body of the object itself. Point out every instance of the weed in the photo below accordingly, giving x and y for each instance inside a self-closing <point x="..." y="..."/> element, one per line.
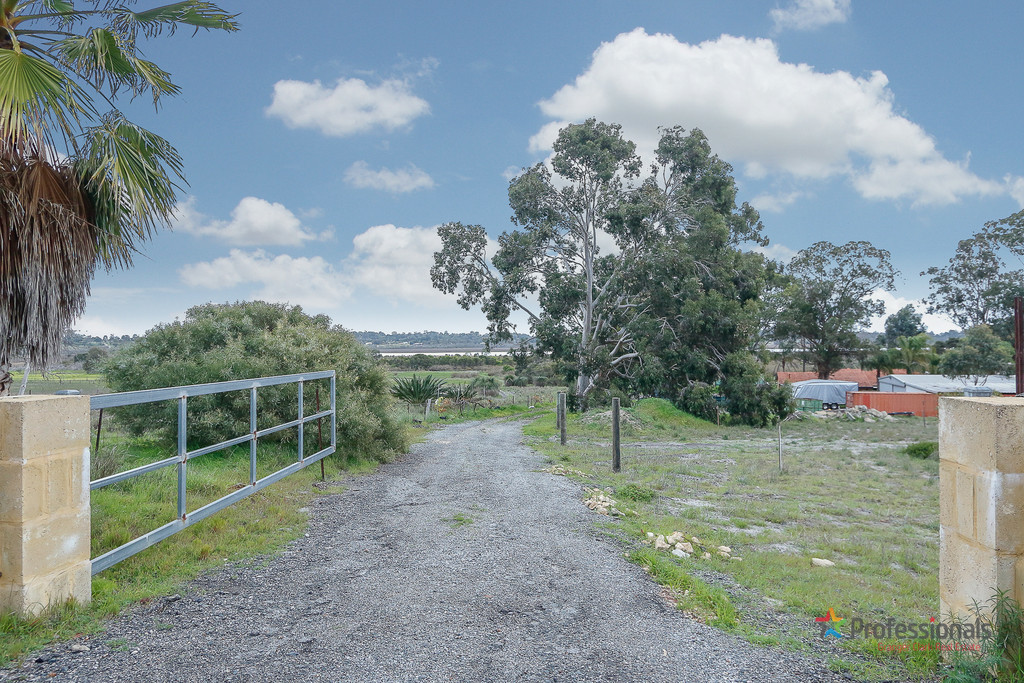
<point x="458" y="520"/>
<point x="710" y="605"/>
<point x="922" y="449"/>
<point x="640" y="494"/>
<point x="1001" y="654"/>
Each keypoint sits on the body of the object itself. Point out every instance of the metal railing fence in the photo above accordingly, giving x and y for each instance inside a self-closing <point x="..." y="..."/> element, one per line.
<point x="182" y="394"/>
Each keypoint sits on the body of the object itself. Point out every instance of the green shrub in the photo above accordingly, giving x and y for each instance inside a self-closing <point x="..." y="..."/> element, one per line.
<point x="488" y="384"/>
<point x="922" y="449"/>
<point x="220" y="342"/>
<point x="640" y="494"/>
<point x="698" y="399"/>
<point x="751" y="397"/>
<point x="418" y="390"/>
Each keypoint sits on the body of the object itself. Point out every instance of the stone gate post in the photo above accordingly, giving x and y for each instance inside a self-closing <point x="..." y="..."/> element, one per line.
<point x="44" y="502"/>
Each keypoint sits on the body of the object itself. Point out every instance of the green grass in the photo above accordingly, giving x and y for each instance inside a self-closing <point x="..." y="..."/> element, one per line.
<point x="846" y="493"/>
<point x="459" y="519"/>
<point x="87" y="383"/>
<point x="710" y="605"/>
<point x="256" y="526"/>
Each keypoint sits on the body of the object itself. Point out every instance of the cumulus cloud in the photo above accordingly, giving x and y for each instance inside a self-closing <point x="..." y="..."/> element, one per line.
<point x="309" y="282"/>
<point x="394" y="262"/>
<point x="352" y="106"/>
<point x="406" y="179"/>
<point x="769" y="116"/>
<point x="253" y="222"/>
<point x="806" y="15"/>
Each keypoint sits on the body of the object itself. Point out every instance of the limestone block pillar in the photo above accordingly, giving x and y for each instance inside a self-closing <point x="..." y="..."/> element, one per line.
<point x="44" y="502"/>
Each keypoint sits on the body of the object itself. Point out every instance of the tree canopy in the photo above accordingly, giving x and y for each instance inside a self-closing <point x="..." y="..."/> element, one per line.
<point x="830" y="298"/>
<point x="980" y="353"/>
<point x="80" y="184"/>
<point x="977" y="287"/>
<point x="617" y="273"/>
<point x="905" y="322"/>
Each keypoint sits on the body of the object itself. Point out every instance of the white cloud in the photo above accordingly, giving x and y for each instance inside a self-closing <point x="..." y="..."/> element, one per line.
<point x="775" y="203"/>
<point x="776" y="252"/>
<point x="1016" y="188"/>
<point x="309" y="282"/>
<point x="351" y="106"/>
<point x="805" y="15"/>
<point x="406" y="179"/>
<point x="767" y="115"/>
<point x="394" y="263"/>
<point x="933" y="322"/>
<point x="253" y="222"/>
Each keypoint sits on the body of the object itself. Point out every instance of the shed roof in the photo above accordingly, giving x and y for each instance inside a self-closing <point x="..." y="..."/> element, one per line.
<point x="940" y="384"/>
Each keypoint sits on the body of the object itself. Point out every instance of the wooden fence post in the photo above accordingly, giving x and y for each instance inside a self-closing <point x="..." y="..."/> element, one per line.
<point x="561" y="417"/>
<point x="616" y="454"/>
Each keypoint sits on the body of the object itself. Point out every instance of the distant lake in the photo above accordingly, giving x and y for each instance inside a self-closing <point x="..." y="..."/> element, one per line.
<point x="443" y="352"/>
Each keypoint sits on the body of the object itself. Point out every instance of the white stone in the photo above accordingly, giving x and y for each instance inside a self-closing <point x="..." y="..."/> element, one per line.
<point x="660" y="544"/>
<point x="818" y="562"/>
<point x="724" y="549"/>
<point x="706" y="556"/>
<point x="679" y="553"/>
<point x="685" y="547"/>
<point x="650" y="534"/>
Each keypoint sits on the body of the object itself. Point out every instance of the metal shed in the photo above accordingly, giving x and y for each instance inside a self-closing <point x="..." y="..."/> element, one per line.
<point x="940" y="384"/>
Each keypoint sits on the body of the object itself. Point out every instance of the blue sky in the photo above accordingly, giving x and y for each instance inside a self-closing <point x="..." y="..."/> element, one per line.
<point x="324" y="142"/>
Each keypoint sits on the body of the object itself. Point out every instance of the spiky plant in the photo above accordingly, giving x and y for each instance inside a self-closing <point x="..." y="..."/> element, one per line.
<point x="418" y="389"/>
<point x="80" y="185"/>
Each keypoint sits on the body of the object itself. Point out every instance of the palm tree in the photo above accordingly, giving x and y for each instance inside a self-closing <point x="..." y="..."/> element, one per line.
<point x="80" y="184"/>
<point x="914" y="354"/>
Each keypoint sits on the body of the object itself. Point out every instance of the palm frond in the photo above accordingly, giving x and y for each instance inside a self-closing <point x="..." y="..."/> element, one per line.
<point x="34" y="95"/>
<point x="153" y="22"/>
<point x="100" y="58"/>
<point x="47" y="254"/>
<point x="126" y="173"/>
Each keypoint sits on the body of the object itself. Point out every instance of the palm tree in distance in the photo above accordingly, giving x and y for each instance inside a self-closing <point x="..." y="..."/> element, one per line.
<point x="80" y="184"/>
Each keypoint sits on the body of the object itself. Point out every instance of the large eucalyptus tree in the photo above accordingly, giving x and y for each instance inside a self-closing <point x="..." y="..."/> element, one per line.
<point x="80" y="184"/>
<point x="614" y="271"/>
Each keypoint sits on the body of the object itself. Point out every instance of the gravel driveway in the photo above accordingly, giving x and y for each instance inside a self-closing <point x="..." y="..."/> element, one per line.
<point x="459" y="562"/>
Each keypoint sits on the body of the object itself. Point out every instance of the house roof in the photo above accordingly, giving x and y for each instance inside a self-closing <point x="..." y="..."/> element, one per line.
<point x="863" y="378"/>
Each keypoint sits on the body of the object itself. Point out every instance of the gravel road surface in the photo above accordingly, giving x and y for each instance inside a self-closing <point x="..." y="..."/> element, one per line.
<point x="460" y="562"/>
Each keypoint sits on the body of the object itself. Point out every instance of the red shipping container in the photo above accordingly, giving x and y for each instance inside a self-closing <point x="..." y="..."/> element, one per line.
<point x="922" y="405"/>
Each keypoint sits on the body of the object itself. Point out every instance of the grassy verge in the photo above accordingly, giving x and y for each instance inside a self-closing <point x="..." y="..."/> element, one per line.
<point x="257" y="526"/>
<point x="846" y="493"/>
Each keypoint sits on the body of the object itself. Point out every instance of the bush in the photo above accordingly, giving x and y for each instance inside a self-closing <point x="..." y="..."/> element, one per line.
<point x="922" y="449"/>
<point x="750" y="396"/>
<point x="220" y="342"/>
<point x="640" y="494"/>
<point x="698" y="399"/>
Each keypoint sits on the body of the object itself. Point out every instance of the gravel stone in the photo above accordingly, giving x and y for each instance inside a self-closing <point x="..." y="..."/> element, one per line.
<point x="386" y="587"/>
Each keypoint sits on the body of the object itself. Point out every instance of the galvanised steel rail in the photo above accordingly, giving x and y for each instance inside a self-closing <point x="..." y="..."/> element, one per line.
<point x="181" y="395"/>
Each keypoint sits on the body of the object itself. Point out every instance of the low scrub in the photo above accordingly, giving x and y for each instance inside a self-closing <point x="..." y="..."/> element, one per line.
<point x="922" y="449"/>
<point x="216" y="343"/>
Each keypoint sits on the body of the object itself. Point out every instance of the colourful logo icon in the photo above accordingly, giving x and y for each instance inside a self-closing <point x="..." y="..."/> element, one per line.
<point x="826" y="622"/>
